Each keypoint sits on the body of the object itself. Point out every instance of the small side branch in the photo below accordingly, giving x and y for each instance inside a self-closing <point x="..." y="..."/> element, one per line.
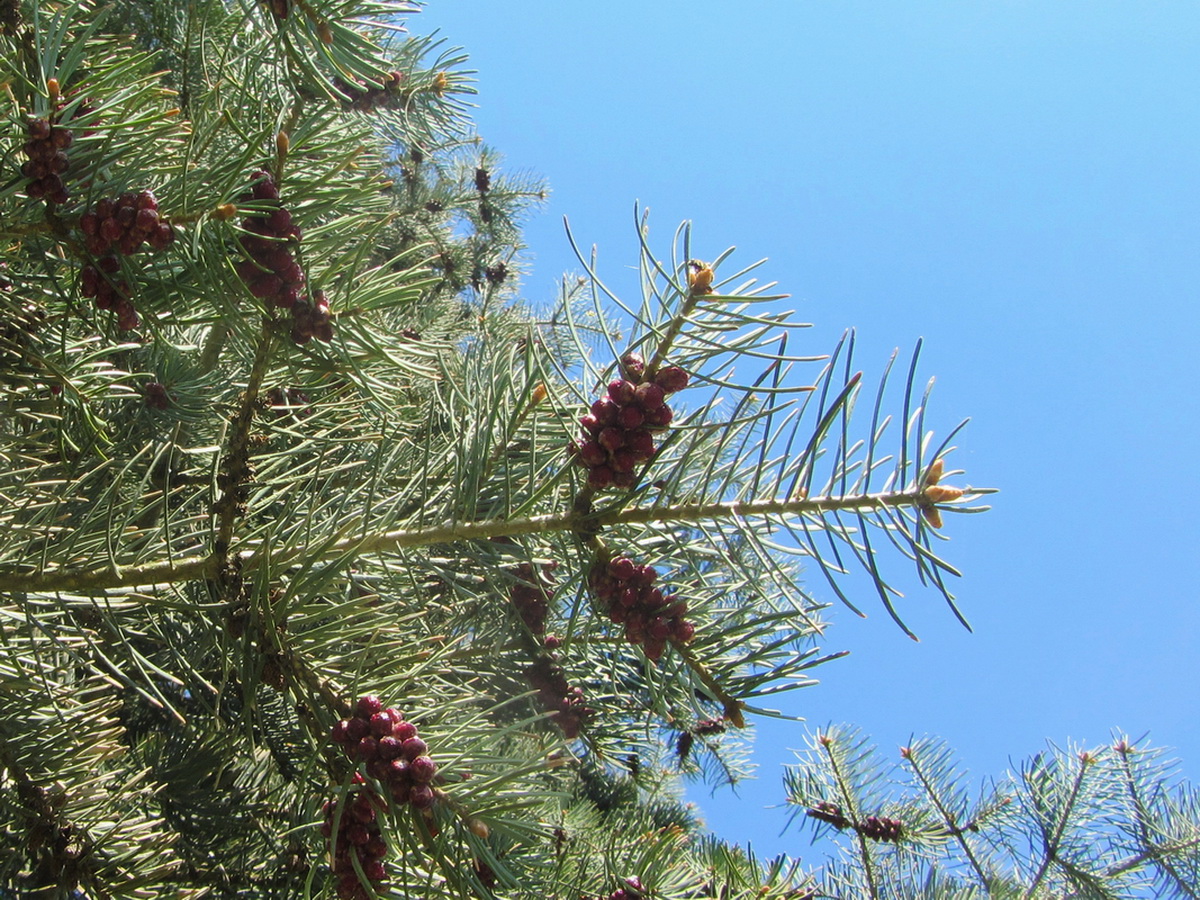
<point x="731" y="707"/>
<point x="1053" y="842"/>
<point x="849" y="802"/>
<point x="1153" y="852"/>
<point x="949" y="820"/>
<point x="235" y="467"/>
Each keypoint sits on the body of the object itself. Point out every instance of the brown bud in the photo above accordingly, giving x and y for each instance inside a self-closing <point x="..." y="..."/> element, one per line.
<point x="224" y="212"/>
<point x="940" y="493"/>
<point x="931" y="515"/>
<point x="539" y="394"/>
<point x="700" y="278"/>
<point x="325" y="33"/>
<point x="934" y="473"/>
<point x="52" y="89"/>
<point x="282" y="143"/>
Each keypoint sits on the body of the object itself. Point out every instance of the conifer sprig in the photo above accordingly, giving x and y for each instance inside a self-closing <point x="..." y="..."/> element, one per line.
<point x="768" y="437"/>
<point x="1067" y="822"/>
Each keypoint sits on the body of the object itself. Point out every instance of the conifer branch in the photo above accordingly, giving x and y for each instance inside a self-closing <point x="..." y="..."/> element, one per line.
<point x="66" y="579"/>
<point x="1160" y="855"/>
<point x="950" y="821"/>
<point x="1052" y="841"/>
<point x="827" y="743"/>
<point x="699" y="285"/>
<point x="1153" y="851"/>
<point x="62" y="579"/>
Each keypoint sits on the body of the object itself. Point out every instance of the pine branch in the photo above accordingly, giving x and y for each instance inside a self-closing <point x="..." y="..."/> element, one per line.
<point x="1060" y="817"/>
<point x="1071" y="810"/>
<point x="914" y="757"/>
<point x="849" y="799"/>
<point x="159" y="573"/>
<point x="1156" y="851"/>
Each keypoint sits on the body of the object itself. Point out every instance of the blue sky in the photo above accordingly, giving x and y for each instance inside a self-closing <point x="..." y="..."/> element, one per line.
<point x="1017" y="183"/>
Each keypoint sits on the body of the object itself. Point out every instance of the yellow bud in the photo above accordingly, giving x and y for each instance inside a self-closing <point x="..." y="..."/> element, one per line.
<point x="478" y="828"/>
<point x="52" y="89"/>
<point x="225" y="212"/>
<point x="440" y="82"/>
<point x="282" y="144"/>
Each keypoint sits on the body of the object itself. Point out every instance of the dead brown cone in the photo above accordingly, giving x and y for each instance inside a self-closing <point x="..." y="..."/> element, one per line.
<point x="362" y="96"/>
<point x="830" y="813"/>
<point x="880" y="828"/>
<point x="557" y="696"/>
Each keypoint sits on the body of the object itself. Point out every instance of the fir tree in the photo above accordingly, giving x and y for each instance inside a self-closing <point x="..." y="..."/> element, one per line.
<point x="331" y="568"/>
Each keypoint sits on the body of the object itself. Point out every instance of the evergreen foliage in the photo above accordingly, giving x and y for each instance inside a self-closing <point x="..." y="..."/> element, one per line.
<point x="1101" y="822"/>
<point x="328" y="570"/>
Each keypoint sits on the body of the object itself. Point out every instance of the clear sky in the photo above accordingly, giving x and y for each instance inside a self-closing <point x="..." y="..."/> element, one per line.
<point x="1018" y="183"/>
